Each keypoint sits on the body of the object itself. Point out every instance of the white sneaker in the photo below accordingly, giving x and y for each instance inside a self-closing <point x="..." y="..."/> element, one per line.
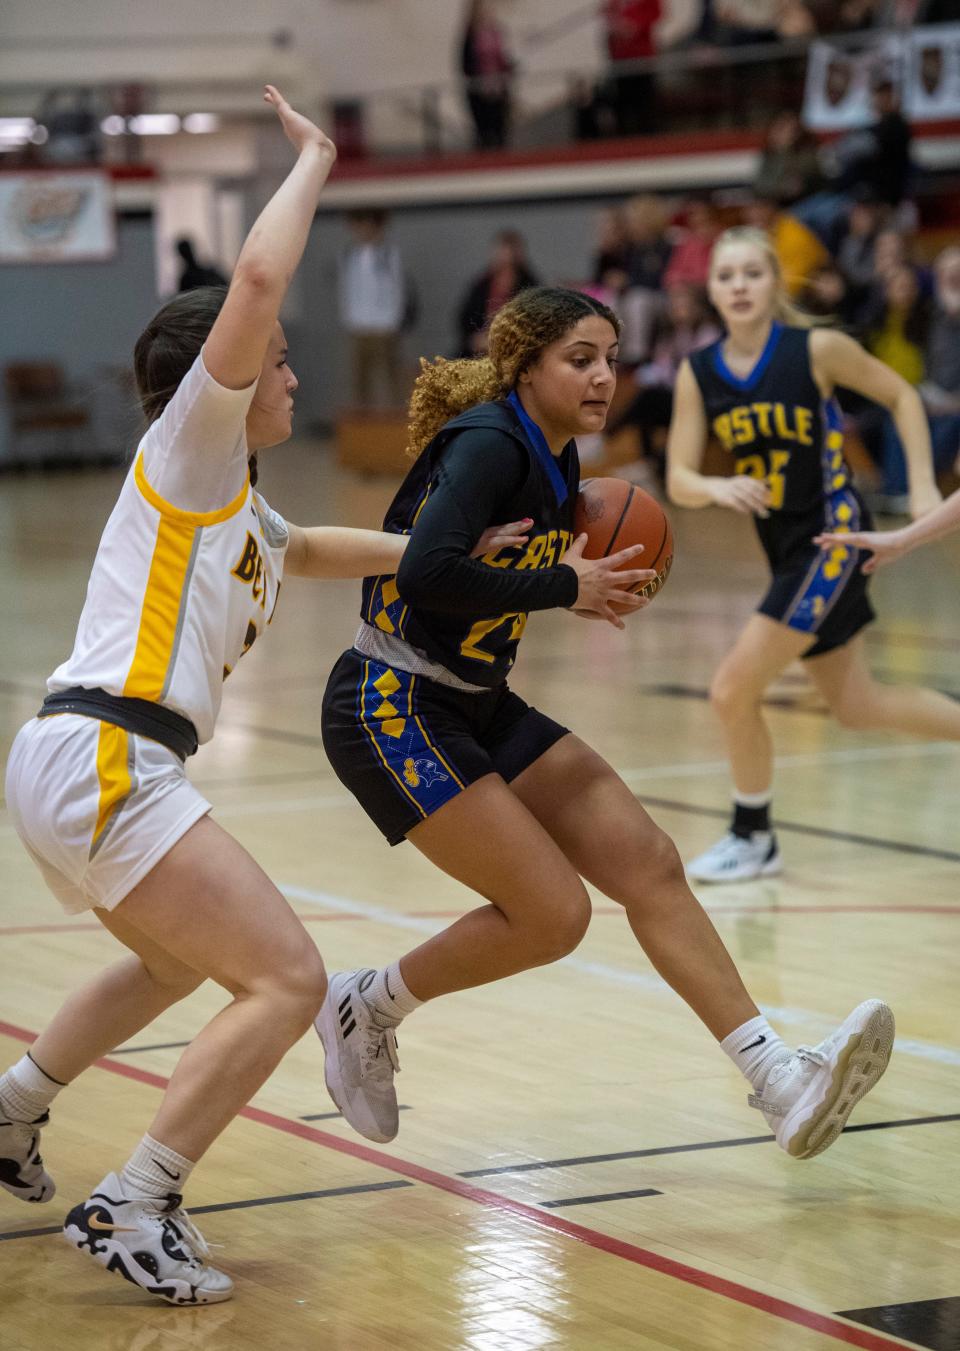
<point x="807" y="1098"/>
<point x="736" y="859"/>
<point x="151" y="1243"/>
<point x="22" y="1172"/>
<point x="361" y="1058"/>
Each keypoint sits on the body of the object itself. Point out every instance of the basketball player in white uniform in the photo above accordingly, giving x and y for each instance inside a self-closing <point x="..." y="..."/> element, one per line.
<point x="185" y="579"/>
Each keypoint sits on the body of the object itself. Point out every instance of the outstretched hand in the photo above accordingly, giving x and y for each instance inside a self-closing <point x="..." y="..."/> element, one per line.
<point x="740" y="492"/>
<point x="885" y="546"/>
<point x="509" y="536"/>
<point x="299" y="130"/>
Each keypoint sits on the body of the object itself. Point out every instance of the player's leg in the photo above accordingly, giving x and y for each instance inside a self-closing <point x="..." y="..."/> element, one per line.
<point x="210" y="907"/>
<point x="611" y="841"/>
<point x="859" y="701"/>
<point x="104" y="1013"/>
<point x="537" y="910"/>
<point x="762" y="652"/>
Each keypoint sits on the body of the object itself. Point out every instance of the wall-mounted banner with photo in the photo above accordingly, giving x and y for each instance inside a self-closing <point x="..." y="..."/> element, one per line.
<point x="56" y="217"/>
<point x="932" y="73"/>
<point x="839" y="81"/>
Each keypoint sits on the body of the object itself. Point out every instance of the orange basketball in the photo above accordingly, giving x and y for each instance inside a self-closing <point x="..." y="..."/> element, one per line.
<point x="615" y="514"/>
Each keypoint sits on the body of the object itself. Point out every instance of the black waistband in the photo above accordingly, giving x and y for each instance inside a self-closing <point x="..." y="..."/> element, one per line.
<point x="135" y="715"/>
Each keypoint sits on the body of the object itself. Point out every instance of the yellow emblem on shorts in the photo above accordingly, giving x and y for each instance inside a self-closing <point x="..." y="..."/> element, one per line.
<point x="410" y="772"/>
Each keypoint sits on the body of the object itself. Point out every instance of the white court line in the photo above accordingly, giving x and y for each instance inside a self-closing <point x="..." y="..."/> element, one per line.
<point x="642" y="980"/>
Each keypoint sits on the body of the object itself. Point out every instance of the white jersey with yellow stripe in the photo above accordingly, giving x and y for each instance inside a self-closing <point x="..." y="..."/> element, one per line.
<point x="177" y="595"/>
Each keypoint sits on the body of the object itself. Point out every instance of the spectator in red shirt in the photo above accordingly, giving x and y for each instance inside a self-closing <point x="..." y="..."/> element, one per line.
<point x="630" y="25"/>
<point x="690" y="260"/>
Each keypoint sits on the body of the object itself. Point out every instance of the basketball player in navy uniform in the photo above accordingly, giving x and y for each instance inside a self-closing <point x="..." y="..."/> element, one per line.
<point x="421" y="725"/>
<point x="765" y="390"/>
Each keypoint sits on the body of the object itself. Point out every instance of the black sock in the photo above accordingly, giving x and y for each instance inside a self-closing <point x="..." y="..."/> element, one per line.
<point x="747" y="820"/>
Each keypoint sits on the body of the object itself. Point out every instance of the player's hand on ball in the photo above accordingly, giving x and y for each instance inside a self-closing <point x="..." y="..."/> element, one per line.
<point x="751" y="496"/>
<point x="509" y="536"/>
<point x="299" y="130"/>
<point x="601" y="586"/>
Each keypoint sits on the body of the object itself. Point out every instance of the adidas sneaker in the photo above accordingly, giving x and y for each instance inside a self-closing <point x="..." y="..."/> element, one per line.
<point x="150" y="1242"/>
<point x="360" y="1058"/>
<point x="808" y="1097"/>
<point x="736" y="858"/>
<point x="22" y="1172"/>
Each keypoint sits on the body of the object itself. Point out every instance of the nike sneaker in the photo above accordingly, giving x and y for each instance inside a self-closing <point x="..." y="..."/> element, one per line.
<point x="22" y="1172"/>
<point x="150" y="1242"/>
<point x="808" y="1097"/>
<point x="736" y="858"/>
<point x="360" y="1057"/>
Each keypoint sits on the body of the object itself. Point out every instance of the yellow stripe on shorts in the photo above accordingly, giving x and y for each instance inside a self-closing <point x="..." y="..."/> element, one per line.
<point x="113" y="774"/>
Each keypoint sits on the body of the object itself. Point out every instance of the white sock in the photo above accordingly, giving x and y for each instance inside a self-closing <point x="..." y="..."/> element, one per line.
<point x="388" y="996"/>
<point x="155" y="1170"/>
<point x="755" y="1048"/>
<point x="753" y="799"/>
<point x="26" y="1091"/>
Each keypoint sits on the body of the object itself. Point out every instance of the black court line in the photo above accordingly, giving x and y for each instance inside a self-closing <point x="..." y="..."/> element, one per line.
<point x="142" y="1050"/>
<point x="934" y="1323"/>
<point x="796" y="828"/>
<point x="338" y="1116"/>
<point x="689" y="1149"/>
<point x="604" y="1196"/>
<point x="247" y="1205"/>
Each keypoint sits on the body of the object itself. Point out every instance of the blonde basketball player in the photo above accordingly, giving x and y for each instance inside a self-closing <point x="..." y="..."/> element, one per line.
<point x="185" y="579"/>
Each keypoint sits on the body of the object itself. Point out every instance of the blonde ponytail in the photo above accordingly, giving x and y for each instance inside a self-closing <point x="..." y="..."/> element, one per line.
<point x="445" y="388"/>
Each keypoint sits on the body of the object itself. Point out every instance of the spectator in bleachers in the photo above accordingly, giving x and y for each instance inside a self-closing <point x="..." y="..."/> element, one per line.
<point x="940" y="387"/>
<point x="630" y="37"/>
<point x="488" y="68"/>
<point x="799" y="252"/>
<point x="790" y="165"/>
<point x="686" y="325"/>
<point x="690" y="258"/>
<point x="194" y="273"/>
<point x="375" y="307"/>
<point x="647" y="255"/>
<point x="872" y="160"/>
<point x="610" y="260"/>
<point x="507" y="274"/>
<point x="825" y="294"/>
<point x="897" y="331"/>
<point x="856" y="253"/>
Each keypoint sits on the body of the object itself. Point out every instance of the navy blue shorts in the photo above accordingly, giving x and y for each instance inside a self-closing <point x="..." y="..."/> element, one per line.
<point x="405" y="745"/>
<point x="824" y="595"/>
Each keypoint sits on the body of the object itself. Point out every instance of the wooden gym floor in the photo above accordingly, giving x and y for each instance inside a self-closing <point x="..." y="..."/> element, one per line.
<point x="577" y="1166"/>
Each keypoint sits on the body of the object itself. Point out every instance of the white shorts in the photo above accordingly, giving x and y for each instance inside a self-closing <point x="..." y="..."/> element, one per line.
<point x="97" y="807"/>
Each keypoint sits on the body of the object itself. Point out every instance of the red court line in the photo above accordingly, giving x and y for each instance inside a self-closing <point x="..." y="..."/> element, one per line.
<point x="593" y="1238"/>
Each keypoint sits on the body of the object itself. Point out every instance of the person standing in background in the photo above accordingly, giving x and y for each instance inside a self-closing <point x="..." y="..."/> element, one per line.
<point x="508" y="274"/>
<point x="374" y="309"/>
<point x="488" y="69"/>
<point x="630" y="25"/>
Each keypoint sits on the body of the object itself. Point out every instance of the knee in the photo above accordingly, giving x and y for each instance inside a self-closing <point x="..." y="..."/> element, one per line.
<point x="561" y="930"/>
<point x="727" y="697"/>
<point x="174" y="981"/>
<point x="662" y="866"/>
<point x="297" y="986"/>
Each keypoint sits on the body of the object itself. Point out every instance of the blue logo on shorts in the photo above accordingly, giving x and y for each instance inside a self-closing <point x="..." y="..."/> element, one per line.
<point x="426" y="772"/>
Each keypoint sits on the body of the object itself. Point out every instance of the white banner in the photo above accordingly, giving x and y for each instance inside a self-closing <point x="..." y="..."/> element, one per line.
<point x="56" y="217"/>
<point x="932" y="73"/>
<point x="839" y="81"/>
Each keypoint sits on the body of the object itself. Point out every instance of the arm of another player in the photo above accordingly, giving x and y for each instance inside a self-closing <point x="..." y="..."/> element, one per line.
<point x="234" y="351"/>
<point x="889" y="545"/>
<point x="686" y="442"/>
<point x="838" y="360"/>
<point x="334" y="551"/>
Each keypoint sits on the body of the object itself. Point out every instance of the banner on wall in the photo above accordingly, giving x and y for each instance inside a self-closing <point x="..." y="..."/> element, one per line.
<point x="56" y="217"/>
<point x="923" y="63"/>
<point x="932" y="73"/>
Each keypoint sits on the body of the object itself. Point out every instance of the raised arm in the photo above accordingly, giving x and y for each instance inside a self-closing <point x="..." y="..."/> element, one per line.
<point x="686" y="442"/>
<point x="837" y="360"/>
<point x="234" y="351"/>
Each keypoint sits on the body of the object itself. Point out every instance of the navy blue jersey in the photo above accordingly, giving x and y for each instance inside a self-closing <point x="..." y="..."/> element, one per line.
<point x="488" y="466"/>
<point x="777" y="425"/>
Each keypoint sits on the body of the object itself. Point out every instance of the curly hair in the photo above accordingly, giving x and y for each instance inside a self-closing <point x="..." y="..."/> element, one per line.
<point x="520" y="332"/>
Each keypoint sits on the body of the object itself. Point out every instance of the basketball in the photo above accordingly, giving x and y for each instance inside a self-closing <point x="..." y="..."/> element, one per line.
<point x="614" y="514"/>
